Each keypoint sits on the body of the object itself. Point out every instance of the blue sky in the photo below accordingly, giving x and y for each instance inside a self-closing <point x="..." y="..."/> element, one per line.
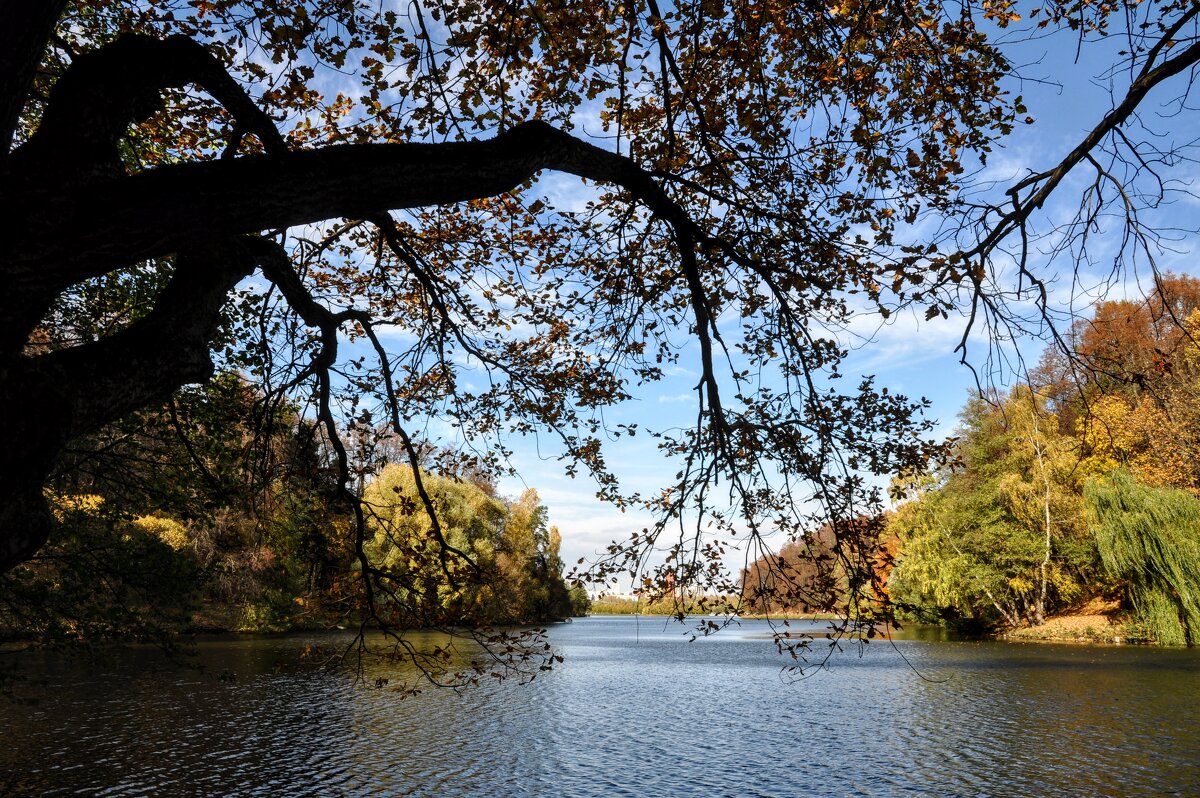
<point x="908" y="354"/>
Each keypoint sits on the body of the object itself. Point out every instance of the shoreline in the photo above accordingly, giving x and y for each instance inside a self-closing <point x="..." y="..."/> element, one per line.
<point x="1094" y="624"/>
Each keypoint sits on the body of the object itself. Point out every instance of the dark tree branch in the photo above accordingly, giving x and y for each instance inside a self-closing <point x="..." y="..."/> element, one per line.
<point x="1149" y="77"/>
<point x="53" y="398"/>
<point x="277" y="267"/>
<point x="167" y="348"/>
<point x="26" y="27"/>
<point x="59" y="233"/>
<point x="112" y="223"/>
<point x="105" y="91"/>
<point x="53" y="239"/>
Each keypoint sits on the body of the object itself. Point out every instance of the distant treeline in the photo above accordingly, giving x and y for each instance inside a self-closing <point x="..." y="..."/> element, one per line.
<point x="670" y="605"/>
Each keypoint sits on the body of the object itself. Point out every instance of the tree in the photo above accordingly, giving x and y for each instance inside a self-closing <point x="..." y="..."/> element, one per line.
<point x="239" y="490"/>
<point x="1150" y="537"/>
<point x="515" y="574"/>
<point x="581" y="602"/>
<point x="104" y="575"/>
<point x="1141" y="438"/>
<point x="998" y="535"/>
<point x="1128" y="386"/>
<point x="425" y="586"/>
<point x="1138" y="348"/>
<point x="742" y="200"/>
<point x="819" y="573"/>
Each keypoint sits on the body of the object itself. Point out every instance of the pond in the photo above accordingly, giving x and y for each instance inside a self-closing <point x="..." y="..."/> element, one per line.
<point x="635" y="710"/>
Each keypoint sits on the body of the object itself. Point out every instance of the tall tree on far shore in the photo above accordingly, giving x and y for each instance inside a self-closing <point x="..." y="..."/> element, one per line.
<point x="998" y="534"/>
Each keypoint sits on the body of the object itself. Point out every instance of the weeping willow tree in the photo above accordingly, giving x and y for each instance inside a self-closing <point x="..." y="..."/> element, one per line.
<point x="1150" y="537"/>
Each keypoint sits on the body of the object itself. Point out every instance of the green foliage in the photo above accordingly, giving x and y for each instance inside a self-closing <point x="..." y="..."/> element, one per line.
<point x="223" y="513"/>
<point x="671" y="604"/>
<point x="500" y="563"/>
<point x="235" y="491"/>
<point x="997" y="536"/>
<point x="581" y="602"/>
<point x="613" y="605"/>
<point x="975" y="536"/>
<point x="430" y="588"/>
<point x="100" y="578"/>
<point x="1150" y="538"/>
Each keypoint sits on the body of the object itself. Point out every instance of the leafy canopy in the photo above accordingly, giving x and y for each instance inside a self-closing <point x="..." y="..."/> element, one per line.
<point x="1151" y="538"/>
<point x="752" y="173"/>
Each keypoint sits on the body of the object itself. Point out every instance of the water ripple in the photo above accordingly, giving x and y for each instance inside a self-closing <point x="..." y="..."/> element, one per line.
<point x="636" y="711"/>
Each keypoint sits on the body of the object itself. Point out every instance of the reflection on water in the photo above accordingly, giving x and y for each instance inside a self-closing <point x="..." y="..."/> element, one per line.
<point x="636" y="710"/>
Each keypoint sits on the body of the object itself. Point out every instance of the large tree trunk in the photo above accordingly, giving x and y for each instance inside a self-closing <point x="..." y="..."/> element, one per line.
<point x="52" y="398"/>
<point x="25" y="27"/>
<point x="68" y="213"/>
<point x="34" y="408"/>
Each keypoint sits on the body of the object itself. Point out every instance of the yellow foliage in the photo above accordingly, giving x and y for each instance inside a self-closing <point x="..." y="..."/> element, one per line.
<point x="168" y="530"/>
<point x="61" y="504"/>
<point x="1021" y="584"/>
<point x="1191" y="349"/>
<point x="1141" y="438"/>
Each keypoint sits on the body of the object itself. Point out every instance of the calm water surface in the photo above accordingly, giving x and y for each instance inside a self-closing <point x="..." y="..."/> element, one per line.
<point x="636" y="710"/>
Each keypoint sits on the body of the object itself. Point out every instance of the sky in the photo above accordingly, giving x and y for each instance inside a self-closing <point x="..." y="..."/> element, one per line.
<point x="909" y="355"/>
